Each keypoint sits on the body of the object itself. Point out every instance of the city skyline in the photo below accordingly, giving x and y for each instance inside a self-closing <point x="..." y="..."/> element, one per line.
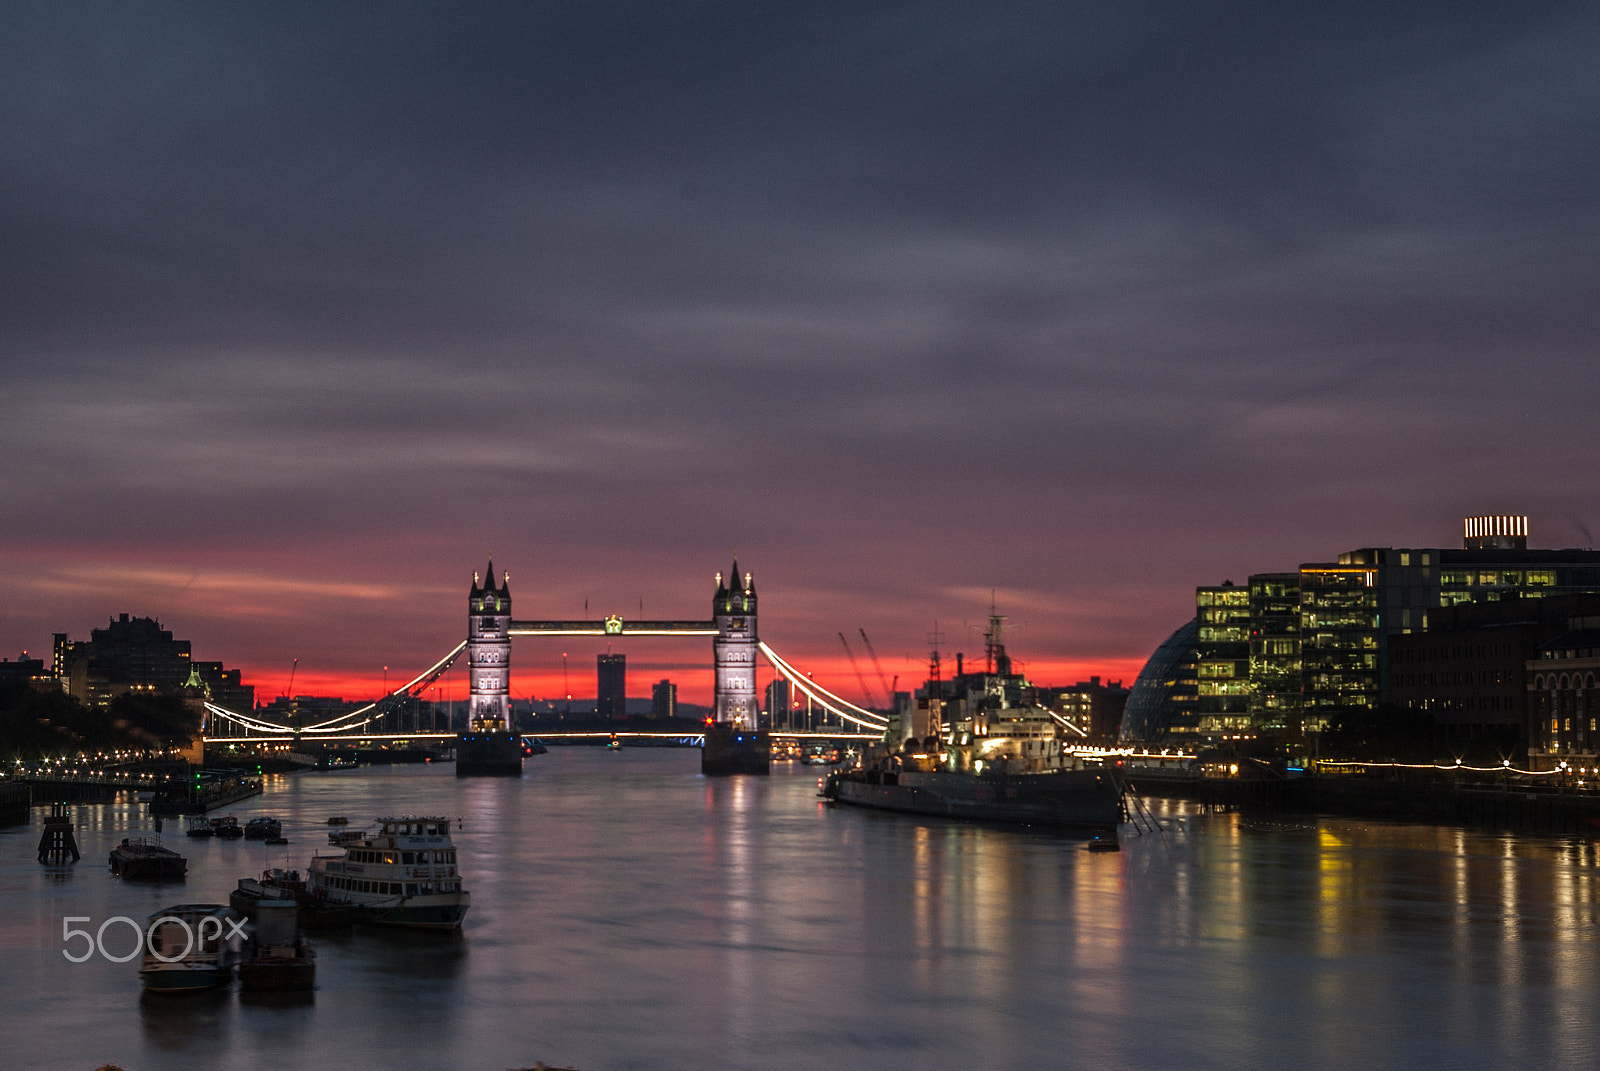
<point x="310" y="311"/>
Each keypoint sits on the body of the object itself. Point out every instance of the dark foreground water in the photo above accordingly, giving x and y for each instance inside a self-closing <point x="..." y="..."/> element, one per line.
<point x="629" y="914"/>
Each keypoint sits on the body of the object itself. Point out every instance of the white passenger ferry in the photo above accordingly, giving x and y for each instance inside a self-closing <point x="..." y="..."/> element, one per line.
<point x="403" y="875"/>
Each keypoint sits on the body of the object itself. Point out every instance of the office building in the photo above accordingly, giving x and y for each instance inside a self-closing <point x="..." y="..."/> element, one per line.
<point x="1317" y="642"/>
<point x="780" y="704"/>
<point x="612" y="686"/>
<point x="1274" y="699"/>
<point x="1222" y="665"/>
<point x="1093" y="709"/>
<point x="128" y="654"/>
<point x="663" y="699"/>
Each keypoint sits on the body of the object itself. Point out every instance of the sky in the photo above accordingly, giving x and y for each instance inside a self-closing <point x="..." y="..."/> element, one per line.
<point x="307" y="310"/>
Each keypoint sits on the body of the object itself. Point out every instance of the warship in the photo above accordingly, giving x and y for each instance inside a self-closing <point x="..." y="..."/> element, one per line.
<point x="981" y="747"/>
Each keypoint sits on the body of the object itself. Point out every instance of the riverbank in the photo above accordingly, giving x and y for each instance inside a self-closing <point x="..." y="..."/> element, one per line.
<point x="1492" y="807"/>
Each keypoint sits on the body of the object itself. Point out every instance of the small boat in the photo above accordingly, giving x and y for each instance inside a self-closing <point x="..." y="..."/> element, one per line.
<point x="137" y="859"/>
<point x="190" y="947"/>
<point x="403" y="875"/>
<point x="276" y="958"/>
<point x="343" y="838"/>
<point x="263" y="828"/>
<point x="227" y="827"/>
<point x="199" y="826"/>
<point x="338" y="820"/>
<point x="317" y="910"/>
<point x="613" y="744"/>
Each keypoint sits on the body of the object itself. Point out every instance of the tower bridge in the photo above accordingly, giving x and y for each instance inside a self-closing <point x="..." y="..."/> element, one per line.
<point x="733" y="739"/>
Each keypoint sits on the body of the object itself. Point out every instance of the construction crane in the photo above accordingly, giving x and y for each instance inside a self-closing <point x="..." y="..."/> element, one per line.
<point x="866" y="689"/>
<point x="878" y="666"/>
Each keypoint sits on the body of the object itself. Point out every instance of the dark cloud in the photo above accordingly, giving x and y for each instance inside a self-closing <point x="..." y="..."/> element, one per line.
<point x="902" y="302"/>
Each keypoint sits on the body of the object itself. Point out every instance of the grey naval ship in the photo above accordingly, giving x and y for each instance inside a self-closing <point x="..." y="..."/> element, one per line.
<point x="981" y="747"/>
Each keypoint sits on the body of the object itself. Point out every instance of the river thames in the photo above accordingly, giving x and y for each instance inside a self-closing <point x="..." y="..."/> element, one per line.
<point x="629" y="914"/>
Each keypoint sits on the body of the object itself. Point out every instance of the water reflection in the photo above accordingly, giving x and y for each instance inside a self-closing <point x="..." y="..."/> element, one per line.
<point x="629" y="914"/>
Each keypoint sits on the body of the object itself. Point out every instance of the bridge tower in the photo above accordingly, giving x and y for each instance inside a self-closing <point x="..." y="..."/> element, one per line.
<point x="489" y="652"/>
<point x="733" y="650"/>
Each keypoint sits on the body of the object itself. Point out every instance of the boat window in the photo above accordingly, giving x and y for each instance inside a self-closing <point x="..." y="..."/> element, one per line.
<point x="388" y="857"/>
<point x="411" y="888"/>
<point x="407" y="858"/>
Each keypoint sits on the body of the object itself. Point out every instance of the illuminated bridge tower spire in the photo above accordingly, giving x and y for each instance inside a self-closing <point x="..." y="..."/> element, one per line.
<point x="489" y="652"/>
<point x="733" y="608"/>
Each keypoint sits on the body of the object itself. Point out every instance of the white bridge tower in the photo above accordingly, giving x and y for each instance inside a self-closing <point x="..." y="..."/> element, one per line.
<point x="733" y="650"/>
<point x="489" y="653"/>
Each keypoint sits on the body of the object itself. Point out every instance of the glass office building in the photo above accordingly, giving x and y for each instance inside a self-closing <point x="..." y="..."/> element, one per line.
<point x="1222" y="667"/>
<point x="1275" y="652"/>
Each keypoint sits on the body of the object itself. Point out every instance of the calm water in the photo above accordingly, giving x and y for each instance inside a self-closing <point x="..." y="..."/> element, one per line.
<point x="629" y="914"/>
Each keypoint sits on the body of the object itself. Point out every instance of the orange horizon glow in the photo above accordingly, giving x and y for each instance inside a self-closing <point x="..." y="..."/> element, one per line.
<point x="694" y="686"/>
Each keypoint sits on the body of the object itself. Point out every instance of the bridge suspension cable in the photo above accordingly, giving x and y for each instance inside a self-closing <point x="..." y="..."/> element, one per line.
<point x="344" y="723"/>
<point x="827" y="700"/>
<point x="427" y="676"/>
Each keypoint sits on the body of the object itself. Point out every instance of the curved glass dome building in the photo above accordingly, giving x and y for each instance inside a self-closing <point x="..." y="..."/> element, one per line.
<point x="1164" y="697"/>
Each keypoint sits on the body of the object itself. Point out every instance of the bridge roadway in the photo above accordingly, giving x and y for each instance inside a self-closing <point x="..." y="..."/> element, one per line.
<point x="613" y="626"/>
<point x="698" y="739"/>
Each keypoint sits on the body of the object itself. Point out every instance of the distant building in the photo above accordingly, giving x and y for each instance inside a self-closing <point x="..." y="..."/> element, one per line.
<point x="663" y="699"/>
<point x="1565" y="706"/>
<point x="780" y="704"/>
<point x="612" y="691"/>
<point x="25" y="670"/>
<point x="1468" y="669"/>
<point x="1294" y="650"/>
<point x="1359" y="604"/>
<point x="226" y="686"/>
<point x="1093" y="709"/>
<point x="305" y="709"/>
<point x="128" y="654"/>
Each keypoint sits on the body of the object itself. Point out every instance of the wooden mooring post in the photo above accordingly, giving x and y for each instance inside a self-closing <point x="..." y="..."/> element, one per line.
<point x="57" y="842"/>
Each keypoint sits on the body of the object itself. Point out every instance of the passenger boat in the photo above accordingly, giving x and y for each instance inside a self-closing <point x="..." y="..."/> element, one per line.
<point x="263" y="828"/>
<point x="190" y="947"/>
<point x="227" y="827"/>
<point x="138" y="859"/>
<point x="276" y="958"/>
<point x="199" y="826"/>
<point x="403" y="875"/>
<point x="317" y="911"/>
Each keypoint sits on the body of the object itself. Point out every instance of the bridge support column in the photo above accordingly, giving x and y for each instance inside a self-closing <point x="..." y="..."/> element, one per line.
<point x="735" y="742"/>
<point x="489" y="747"/>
